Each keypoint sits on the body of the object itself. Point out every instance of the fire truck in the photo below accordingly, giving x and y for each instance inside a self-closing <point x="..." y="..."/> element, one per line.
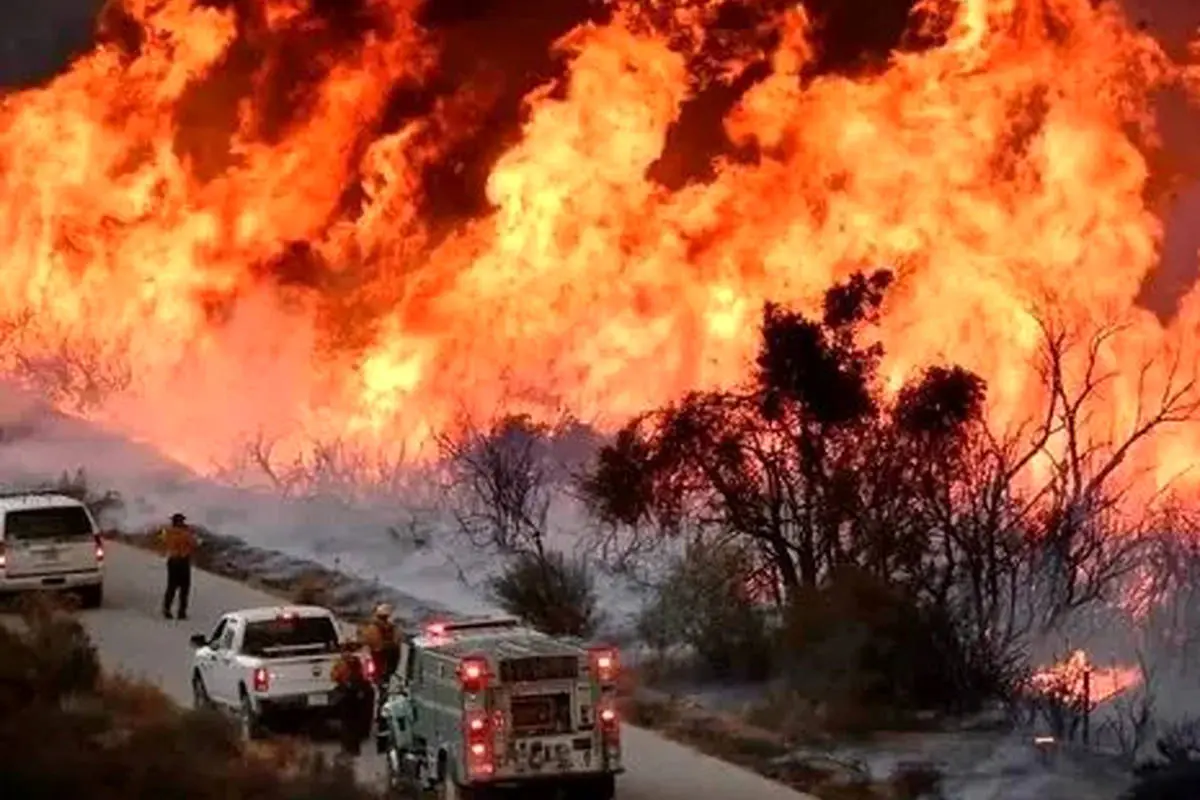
<point x="481" y="707"/>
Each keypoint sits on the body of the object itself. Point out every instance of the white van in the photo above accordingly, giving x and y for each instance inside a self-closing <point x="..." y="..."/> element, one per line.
<point x="49" y="541"/>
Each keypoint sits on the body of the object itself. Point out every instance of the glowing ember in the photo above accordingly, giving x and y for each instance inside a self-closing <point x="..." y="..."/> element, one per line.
<point x="238" y="209"/>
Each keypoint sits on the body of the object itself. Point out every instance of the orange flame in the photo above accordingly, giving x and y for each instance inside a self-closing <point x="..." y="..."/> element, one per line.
<point x="1103" y="683"/>
<point x="155" y="207"/>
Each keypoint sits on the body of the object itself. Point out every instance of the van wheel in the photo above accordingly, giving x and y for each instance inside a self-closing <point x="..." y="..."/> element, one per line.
<point x="92" y="596"/>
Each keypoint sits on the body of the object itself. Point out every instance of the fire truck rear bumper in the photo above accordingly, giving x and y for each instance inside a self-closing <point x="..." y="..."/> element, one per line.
<point x="532" y="780"/>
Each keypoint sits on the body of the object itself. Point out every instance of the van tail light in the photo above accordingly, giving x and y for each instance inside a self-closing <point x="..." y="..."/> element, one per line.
<point x="99" y="542"/>
<point x="3" y="556"/>
<point x="473" y="675"/>
<point x="480" y="740"/>
<point x="262" y="680"/>
<point x="605" y="663"/>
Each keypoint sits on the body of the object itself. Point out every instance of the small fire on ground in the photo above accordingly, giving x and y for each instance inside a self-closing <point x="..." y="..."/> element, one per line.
<point x="1076" y="675"/>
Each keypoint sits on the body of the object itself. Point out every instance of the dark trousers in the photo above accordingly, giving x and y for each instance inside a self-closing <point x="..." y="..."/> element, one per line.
<point x="179" y="579"/>
<point x="356" y="708"/>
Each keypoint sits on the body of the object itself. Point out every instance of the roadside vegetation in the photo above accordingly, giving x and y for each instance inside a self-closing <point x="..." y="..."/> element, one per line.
<point x="68" y="729"/>
<point x="874" y="560"/>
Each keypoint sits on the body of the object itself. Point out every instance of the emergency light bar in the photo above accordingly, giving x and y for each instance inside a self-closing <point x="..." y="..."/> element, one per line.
<point x="441" y="628"/>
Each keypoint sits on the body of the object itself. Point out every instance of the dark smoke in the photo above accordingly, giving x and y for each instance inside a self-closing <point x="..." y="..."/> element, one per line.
<point x="39" y="37"/>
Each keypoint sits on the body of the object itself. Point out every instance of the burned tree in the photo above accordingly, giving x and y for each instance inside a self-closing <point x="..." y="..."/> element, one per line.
<point x="982" y="540"/>
<point x="502" y="483"/>
<point x="805" y="463"/>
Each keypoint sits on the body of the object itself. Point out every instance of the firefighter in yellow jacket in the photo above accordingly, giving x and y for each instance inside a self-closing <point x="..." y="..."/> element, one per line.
<point x="179" y="543"/>
<point x="382" y="639"/>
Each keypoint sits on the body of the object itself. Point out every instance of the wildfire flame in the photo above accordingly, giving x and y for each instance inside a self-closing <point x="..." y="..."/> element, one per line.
<point x="225" y="201"/>
<point x="1067" y="679"/>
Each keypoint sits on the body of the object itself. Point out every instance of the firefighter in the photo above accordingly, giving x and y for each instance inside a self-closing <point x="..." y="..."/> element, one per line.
<point x="179" y="543"/>
<point x="382" y="639"/>
<point x="354" y="699"/>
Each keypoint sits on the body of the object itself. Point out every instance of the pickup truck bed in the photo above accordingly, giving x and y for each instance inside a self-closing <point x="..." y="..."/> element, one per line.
<point x="266" y="664"/>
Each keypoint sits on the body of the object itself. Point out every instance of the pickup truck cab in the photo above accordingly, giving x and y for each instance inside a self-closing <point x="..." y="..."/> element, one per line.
<point x="50" y="542"/>
<point x="268" y="666"/>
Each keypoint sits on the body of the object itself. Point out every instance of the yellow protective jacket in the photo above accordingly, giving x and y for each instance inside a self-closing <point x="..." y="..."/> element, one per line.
<point x="178" y="541"/>
<point x="378" y="636"/>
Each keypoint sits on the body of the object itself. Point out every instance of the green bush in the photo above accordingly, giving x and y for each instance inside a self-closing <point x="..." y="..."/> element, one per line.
<point x="552" y="593"/>
<point x="873" y="654"/>
<point x="703" y="605"/>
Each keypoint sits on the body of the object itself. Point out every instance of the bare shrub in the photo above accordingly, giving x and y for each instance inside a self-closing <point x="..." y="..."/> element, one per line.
<point x="332" y="470"/>
<point x="502" y="481"/>
<point x="1132" y="723"/>
<point x="66" y="367"/>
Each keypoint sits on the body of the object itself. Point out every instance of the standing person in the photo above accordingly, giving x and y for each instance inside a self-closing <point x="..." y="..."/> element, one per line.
<point x="179" y="542"/>
<point x="354" y="699"/>
<point x="382" y="639"/>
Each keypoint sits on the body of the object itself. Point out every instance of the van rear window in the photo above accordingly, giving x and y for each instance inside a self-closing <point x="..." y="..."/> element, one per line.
<point x="42" y="524"/>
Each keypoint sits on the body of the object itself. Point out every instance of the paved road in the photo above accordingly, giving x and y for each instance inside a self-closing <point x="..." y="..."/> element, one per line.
<point x="133" y="639"/>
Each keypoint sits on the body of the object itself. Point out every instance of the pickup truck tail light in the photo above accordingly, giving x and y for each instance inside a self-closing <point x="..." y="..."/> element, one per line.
<point x="262" y="680"/>
<point x="99" y="544"/>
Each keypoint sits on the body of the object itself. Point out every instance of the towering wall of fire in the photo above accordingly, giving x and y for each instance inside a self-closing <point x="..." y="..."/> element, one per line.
<point x="315" y="218"/>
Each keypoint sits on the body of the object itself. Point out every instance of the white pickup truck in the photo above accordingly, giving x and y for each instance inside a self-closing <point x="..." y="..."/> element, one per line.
<point x="269" y="666"/>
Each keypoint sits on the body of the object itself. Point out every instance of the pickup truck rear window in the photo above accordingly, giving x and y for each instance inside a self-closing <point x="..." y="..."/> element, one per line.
<point x="44" y="524"/>
<point x="288" y="636"/>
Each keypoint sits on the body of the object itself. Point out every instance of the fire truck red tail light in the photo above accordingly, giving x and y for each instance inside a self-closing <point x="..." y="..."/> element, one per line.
<point x="606" y="665"/>
<point x="473" y="675"/>
<point x="480" y="742"/>
<point x="262" y="680"/>
<point x="610" y="725"/>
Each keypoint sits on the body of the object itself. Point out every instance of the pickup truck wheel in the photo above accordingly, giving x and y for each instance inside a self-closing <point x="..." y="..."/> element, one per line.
<point x="92" y="596"/>
<point x="604" y="788"/>
<point x="200" y="698"/>
<point x="252" y="728"/>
